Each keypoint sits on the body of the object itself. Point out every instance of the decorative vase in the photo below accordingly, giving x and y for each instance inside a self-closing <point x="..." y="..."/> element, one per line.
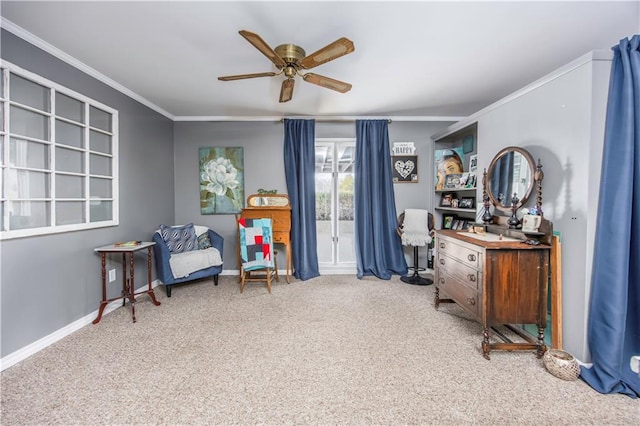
<point x="561" y="364"/>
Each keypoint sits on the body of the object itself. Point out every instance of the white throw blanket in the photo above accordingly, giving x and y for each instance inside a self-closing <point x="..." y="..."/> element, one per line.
<point x="415" y="228"/>
<point x="182" y="264"/>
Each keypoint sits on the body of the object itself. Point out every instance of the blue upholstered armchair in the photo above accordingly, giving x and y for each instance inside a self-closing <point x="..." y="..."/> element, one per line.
<point x="202" y="261"/>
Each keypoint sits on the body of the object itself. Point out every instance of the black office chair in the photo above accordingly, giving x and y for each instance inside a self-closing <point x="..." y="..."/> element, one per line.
<point x="416" y="236"/>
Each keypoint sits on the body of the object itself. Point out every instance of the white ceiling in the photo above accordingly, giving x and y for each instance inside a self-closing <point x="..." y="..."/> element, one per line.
<point x="411" y="59"/>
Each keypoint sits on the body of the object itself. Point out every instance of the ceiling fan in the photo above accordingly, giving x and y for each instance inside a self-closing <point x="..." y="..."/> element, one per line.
<point x="290" y="60"/>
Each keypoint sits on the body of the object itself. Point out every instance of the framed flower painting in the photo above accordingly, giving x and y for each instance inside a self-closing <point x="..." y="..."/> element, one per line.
<point x="221" y="180"/>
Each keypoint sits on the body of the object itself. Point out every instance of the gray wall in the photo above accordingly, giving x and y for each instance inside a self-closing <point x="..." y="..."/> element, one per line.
<point x="561" y="122"/>
<point x="264" y="167"/>
<point x="48" y="282"/>
<point x="158" y="185"/>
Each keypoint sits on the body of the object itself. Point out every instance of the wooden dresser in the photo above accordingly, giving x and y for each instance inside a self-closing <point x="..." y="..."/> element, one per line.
<point x="278" y="209"/>
<point x="499" y="282"/>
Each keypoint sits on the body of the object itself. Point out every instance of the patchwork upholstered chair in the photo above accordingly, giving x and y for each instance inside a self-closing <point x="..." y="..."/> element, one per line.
<point x="258" y="260"/>
<point x="187" y="253"/>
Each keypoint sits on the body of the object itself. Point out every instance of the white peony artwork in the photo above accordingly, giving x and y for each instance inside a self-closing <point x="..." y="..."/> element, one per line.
<point x="221" y="180"/>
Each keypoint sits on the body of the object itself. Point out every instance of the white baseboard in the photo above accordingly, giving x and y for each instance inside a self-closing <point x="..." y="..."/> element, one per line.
<point x="37" y="346"/>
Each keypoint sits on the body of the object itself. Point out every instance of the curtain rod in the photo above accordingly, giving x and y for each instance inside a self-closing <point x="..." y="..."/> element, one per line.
<point x="336" y="119"/>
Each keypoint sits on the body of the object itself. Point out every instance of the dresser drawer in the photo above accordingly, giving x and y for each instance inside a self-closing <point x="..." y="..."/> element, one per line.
<point x="464" y="254"/>
<point x="459" y="271"/>
<point x="469" y="298"/>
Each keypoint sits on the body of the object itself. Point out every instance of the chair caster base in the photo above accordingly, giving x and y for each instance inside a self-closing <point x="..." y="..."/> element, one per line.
<point x="416" y="280"/>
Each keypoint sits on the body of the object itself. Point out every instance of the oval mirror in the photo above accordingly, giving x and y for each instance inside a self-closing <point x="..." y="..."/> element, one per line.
<point x="272" y="200"/>
<point x="510" y="172"/>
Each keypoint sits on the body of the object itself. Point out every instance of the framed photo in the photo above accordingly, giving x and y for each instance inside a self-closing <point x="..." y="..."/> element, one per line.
<point x="471" y="181"/>
<point x="473" y="164"/>
<point x="452" y="181"/>
<point x="405" y="168"/>
<point x="447" y="200"/>
<point x="468" y="144"/>
<point x="447" y="221"/>
<point x="466" y="203"/>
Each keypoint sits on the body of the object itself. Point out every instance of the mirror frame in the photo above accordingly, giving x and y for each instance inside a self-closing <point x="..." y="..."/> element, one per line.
<point x="263" y="200"/>
<point x="524" y="197"/>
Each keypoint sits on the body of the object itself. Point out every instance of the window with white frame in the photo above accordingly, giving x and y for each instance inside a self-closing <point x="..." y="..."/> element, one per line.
<point x="58" y="157"/>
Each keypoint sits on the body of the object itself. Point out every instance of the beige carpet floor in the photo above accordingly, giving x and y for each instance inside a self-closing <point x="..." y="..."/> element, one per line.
<point x="332" y="350"/>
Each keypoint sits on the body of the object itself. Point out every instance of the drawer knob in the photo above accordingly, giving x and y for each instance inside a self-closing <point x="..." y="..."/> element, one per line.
<point x="442" y="245"/>
<point x="471" y="278"/>
<point x="441" y="261"/>
<point x="471" y="301"/>
<point x="441" y="281"/>
<point x="471" y="257"/>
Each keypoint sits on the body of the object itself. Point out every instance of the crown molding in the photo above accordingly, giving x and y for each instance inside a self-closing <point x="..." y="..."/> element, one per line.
<point x="593" y="56"/>
<point x="322" y="118"/>
<point x="52" y="50"/>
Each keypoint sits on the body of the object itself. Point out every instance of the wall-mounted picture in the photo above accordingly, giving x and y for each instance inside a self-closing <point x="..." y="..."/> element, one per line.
<point x="221" y="180"/>
<point x="405" y="168"/>
<point x="466" y="203"/>
<point x="447" y="221"/>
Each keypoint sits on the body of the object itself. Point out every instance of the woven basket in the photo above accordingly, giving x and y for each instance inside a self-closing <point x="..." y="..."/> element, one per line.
<point x="561" y="364"/>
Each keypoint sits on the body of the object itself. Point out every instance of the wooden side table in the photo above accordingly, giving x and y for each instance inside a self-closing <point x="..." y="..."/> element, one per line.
<point x="128" y="287"/>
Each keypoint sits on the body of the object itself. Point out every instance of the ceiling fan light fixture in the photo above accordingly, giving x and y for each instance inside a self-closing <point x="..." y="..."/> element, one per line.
<point x="290" y="71"/>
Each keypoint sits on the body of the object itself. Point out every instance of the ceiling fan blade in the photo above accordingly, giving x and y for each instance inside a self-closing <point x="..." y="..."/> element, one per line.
<point x="243" y="76"/>
<point x="263" y="47"/>
<point x="329" y="83"/>
<point x="342" y="46"/>
<point x="286" y="92"/>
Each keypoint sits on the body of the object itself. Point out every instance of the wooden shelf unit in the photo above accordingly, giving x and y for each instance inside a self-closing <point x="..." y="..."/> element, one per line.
<point x="455" y="140"/>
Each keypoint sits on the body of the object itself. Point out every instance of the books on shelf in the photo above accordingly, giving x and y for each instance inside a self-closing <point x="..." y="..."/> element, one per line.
<point x="127" y="243"/>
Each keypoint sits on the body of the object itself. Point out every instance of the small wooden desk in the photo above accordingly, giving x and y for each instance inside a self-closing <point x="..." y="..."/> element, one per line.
<point x="128" y="287"/>
<point x="278" y="209"/>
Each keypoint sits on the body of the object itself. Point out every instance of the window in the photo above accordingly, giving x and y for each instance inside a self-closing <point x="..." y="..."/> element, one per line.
<point x="334" y="183"/>
<point x="58" y="158"/>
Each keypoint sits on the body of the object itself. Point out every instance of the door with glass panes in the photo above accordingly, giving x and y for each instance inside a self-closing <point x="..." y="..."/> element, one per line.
<point x="334" y="180"/>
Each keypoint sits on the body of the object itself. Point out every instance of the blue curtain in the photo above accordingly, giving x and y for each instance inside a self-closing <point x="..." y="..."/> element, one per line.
<point x="299" y="162"/>
<point x="614" y="310"/>
<point x="378" y="246"/>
